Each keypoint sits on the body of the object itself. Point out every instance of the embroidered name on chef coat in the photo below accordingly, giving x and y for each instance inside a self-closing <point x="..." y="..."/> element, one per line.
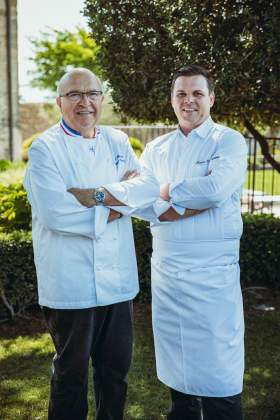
<point x="118" y="159"/>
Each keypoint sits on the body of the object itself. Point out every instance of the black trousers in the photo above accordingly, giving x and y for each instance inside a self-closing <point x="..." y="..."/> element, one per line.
<point x="190" y="407"/>
<point x="102" y="334"/>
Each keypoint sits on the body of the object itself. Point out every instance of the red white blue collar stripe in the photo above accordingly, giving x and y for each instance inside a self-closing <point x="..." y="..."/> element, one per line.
<point x="73" y="133"/>
<point x="68" y="130"/>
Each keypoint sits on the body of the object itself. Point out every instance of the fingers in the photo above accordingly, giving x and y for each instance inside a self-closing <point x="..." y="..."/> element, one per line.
<point x="164" y="192"/>
<point x="113" y="215"/>
<point x="130" y="175"/>
<point x="169" y="216"/>
<point x="192" y="212"/>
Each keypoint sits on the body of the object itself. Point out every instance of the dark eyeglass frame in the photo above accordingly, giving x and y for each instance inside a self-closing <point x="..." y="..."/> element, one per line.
<point x="79" y="95"/>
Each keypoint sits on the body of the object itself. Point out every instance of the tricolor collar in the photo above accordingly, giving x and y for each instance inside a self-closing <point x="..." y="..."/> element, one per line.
<point x="68" y="130"/>
<point x="73" y="133"/>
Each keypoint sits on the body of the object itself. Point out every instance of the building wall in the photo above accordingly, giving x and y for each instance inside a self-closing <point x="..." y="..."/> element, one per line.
<point x="37" y="117"/>
<point x="10" y="135"/>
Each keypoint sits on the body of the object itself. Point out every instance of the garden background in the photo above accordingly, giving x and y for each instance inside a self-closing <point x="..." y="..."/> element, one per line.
<point x="134" y="46"/>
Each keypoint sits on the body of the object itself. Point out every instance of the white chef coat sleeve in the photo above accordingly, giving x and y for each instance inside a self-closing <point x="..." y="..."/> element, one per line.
<point x="228" y="170"/>
<point x="136" y="193"/>
<point x="152" y="211"/>
<point x="55" y="208"/>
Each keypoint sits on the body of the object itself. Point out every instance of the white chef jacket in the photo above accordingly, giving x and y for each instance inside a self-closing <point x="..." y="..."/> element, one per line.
<point x="197" y="304"/>
<point x="81" y="260"/>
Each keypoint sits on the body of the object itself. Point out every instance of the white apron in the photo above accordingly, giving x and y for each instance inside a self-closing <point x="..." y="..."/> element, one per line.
<point x="196" y="297"/>
<point x="198" y="323"/>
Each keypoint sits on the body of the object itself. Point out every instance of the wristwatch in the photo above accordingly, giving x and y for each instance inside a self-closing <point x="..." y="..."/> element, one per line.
<point x="99" y="196"/>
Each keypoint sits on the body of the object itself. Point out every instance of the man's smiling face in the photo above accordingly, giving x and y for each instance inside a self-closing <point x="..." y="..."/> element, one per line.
<point x="191" y="101"/>
<point x="82" y="115"/>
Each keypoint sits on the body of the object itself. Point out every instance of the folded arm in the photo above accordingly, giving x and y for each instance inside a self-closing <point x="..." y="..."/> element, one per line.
<point x="161" y="210"/>
<point x="227" y="174"/>
<point x="52" y="204"/>
<point x="171" y="214"/>
<point x="137" y="189"/>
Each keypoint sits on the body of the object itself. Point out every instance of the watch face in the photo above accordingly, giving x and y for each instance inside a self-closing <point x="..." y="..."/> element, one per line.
<point x="99" y="196"/>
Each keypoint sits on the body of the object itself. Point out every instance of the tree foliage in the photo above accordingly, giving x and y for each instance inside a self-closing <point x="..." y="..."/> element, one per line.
<point x="143" y="41"/>
<point x="58" y="51"/>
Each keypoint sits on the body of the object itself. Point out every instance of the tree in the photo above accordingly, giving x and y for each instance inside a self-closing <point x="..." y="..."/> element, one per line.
<point x="143" y="41"/>
<point x="58" y="51"/>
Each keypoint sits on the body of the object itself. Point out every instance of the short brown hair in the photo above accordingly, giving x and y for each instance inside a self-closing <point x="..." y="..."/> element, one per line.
<point x="193" y="70"/>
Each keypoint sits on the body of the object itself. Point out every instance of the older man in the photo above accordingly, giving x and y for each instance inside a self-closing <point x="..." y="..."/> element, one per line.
<point x="197" y="302"/>
<point x="84" y="251"/>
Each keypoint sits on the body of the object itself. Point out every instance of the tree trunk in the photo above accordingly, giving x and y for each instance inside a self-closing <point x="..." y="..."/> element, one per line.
<point x="263" y="144"/>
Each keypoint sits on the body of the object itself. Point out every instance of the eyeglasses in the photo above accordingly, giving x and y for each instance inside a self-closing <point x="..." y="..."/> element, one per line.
<point x="92" y="95"/>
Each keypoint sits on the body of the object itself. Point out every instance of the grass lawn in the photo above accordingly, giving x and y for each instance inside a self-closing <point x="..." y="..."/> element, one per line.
<point x="267" y="187"/>
<point x="26" y="352"/>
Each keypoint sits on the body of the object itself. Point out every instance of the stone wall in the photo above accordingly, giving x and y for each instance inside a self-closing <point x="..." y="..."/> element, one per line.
<point x="10" y="134"/>
<point x="37" y="117"/>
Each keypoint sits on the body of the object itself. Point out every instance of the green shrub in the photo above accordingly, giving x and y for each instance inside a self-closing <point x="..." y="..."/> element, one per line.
<point x="4" y="165"/>
<point x="136" y="145"/>
<point x="259" y="261"/>
<point x="143" y="245"/>
<point x="15" y="212"/>
<point x="260" y="251"/>
<point x="17" y="274"/>
<point x="13" y="174"/>
<point x="26" y="145"/>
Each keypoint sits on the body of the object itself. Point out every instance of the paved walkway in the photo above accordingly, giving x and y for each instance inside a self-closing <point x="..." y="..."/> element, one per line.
<point x="263" y="203"/>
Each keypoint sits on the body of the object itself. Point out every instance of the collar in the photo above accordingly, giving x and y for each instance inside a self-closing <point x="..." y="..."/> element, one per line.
<point x="202" y="130"/>
<point x="68" y="130"/>
<point x="73" y="133"/>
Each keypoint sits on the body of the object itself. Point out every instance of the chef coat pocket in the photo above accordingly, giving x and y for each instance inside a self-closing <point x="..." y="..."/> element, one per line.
<point x="212" y="279"/>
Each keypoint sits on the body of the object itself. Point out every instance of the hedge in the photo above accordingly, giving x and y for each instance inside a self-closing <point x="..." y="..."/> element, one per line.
<point x="17" y="273"/>
<point x="260" y="251"/>
<point x="5" y="165"/>
<point x="15" y="211"/>
<point x="260" y="262"/>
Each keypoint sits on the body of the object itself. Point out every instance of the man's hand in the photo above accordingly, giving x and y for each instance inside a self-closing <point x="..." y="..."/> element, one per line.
<point x="164" y="192"/>
<point x="113" y="215"/>
<point x="192" y="212"/>
<point x="171" y="215"/>
<point x="130" y="175"/>
<point x="84" y="196"/>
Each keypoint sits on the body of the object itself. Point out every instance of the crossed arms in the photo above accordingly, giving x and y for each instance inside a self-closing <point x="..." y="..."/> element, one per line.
<point x="86" y="198"/>
<point x="59" y="210"/>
